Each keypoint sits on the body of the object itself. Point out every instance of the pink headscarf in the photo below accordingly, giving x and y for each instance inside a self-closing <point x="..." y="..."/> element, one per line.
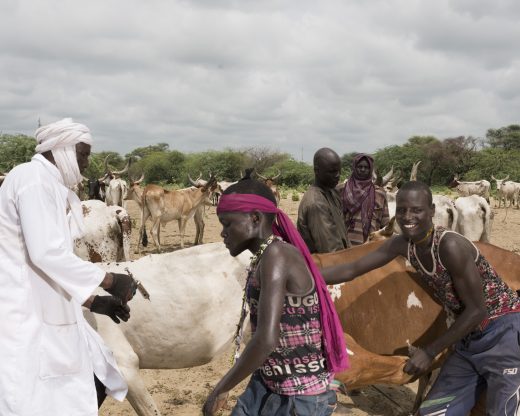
<point x="333" y="340"/>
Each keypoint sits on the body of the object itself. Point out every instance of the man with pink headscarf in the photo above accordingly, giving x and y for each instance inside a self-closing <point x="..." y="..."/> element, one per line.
<point x="364" y="204"/>
<point x="50" y="355"/>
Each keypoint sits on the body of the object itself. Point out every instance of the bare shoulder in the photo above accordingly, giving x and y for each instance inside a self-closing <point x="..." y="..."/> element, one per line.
<point x="454" y="245"/>
<point x="283" y="252"/>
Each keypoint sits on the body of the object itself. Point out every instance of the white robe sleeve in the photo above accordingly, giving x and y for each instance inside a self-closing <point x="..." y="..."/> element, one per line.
<point x="49" y="246"/>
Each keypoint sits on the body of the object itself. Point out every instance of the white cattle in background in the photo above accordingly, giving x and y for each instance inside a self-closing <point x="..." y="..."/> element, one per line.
<point x="446" y="214"/>
<point x="191" y="317"/>
<point x="480" y="188"/>
<point x="506" y="191"/>
<point x="107" y="233"/>
<point x="116" y="192"/>
<point x="116" y="188"/>
<point x="475" y="218"/>
<point x="221" y="187"/>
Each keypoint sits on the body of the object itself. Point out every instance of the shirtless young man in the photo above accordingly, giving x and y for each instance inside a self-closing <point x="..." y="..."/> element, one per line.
<point x="486" y="331"/>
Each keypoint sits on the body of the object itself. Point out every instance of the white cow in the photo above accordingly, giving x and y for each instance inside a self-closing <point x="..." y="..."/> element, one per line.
<point x="446" y="214"/>
<point x="107" y="233"/>
<point x="480" y="188"/>
<point x="507" y="191"/>
<point x="221" y="187"/>
<point x="194" y="307"/>
<point x="475" y="218"/>
<point x="116" y="187"/>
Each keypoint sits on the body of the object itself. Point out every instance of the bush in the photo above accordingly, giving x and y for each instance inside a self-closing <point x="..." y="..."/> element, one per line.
<point x="295" y="196"/>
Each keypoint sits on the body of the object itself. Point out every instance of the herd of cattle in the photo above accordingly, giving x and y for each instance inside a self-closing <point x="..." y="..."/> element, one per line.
<point x="195" y="293"/>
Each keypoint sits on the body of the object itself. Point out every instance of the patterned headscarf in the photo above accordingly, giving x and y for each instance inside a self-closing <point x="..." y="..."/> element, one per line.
<point x="333" y="340"/>
<point x="359" y="194"/>
<point x="61" y="138"/>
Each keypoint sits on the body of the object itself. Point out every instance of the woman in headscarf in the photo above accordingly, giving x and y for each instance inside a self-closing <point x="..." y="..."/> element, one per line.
<point x="364" y="204"/>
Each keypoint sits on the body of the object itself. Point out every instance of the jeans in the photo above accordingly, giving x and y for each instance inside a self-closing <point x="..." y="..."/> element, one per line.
<point x="258" y="400"/>
<point x="483" y="360"/>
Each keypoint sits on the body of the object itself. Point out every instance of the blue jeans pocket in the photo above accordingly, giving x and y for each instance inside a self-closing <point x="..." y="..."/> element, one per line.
<point x="319" y="405"/>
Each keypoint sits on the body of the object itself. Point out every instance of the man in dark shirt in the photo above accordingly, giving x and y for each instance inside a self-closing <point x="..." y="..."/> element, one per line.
<point x="320" y="216"/>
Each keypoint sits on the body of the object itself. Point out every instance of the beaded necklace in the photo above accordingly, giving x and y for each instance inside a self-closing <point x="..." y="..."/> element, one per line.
<point x="255" y="258"/>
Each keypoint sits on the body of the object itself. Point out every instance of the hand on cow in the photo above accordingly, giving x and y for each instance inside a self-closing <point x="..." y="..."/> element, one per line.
<point x="123" y="287"/>
<point x="419" y="362"/>
<point x="111" y="306"/>
<point x="214" y="403"/>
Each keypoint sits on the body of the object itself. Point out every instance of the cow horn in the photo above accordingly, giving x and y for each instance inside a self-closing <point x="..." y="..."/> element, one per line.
<point x="506" y="178"/>
<point x="413" y="174"/>
<point x="106" y="164"/>
<point x="388" y="176"/>
<point x="137" y="182"/>
<point x="260" y="176"/>
<point x="125" y="169"/>
<point x="134" y="181"/>
<point x="106" y="175"/>
<point x="192" y="181"/>
<point x="276" y="176"/>
<point x="492" y="177"/>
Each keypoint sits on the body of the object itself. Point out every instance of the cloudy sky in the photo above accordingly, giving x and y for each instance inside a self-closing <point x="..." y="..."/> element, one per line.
<point x="353" y="75"/>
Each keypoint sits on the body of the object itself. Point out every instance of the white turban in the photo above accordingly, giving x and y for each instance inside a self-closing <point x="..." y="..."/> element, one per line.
<point x="61" y="138"/>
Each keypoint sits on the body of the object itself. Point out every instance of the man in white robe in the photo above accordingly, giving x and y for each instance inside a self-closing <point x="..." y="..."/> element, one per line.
<point x="49" y="353"/>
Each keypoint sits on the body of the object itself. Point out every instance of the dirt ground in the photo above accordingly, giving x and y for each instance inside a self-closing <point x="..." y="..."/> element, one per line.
<point x="182" y="392"/>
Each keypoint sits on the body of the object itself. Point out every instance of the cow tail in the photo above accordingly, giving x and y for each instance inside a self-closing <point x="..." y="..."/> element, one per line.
<point x="144" y="240"/>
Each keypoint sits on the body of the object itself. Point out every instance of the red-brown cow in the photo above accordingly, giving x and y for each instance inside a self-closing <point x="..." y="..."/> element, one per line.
<point x="390" y="309"/>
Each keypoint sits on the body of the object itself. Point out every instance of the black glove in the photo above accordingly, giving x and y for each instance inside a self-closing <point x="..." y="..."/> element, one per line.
<point x="110" y="306"/>
<point x="123" y="287"/>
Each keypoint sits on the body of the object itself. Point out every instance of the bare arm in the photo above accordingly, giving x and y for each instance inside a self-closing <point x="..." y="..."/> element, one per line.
<point x="458" y="256"/>
<point x="388" y="251"/>
<point x="273" y="280"/>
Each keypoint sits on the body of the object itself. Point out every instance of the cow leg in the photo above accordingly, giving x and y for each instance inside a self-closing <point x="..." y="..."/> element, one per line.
<point x="367" y="368"/>
<point x="154" y="233"/>
<point x="128" y="363"/>
<point x="199" y="226"/>
<point x="182" y="227"/>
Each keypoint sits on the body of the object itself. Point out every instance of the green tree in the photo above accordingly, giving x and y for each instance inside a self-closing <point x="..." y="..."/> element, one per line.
<point x="142" y="152"/>
<point x="495" y="162"/>
<point x="226" y="165"/>
<point x="162" y="167"/>
<point x="294" y="173"/>
<point x="262" y="159"/>
<point x="15" y="149"/>
<point x="507" y="138"/>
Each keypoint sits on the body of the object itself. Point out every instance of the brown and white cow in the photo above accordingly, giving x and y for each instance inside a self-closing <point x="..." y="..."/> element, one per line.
<point x="390" y="309"/>
<point x="107" y="233"/>
<point x="164" y="206"/>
